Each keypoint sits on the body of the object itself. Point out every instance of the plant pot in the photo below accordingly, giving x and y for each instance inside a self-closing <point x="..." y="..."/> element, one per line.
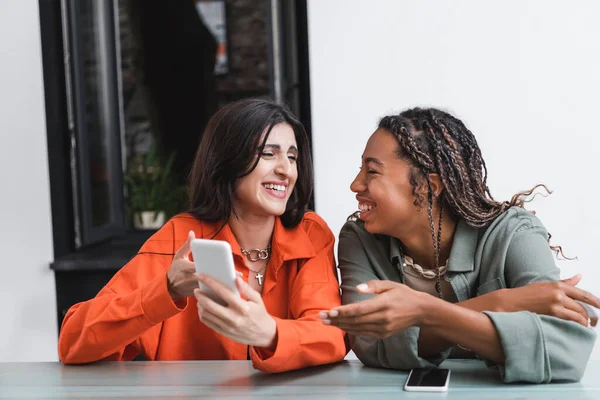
<point x="144" y="220"/>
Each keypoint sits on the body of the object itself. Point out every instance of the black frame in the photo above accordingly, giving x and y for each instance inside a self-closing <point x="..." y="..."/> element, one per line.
<point x="292" y="67"/>
<point x="57" y="128"/>
<point x="85" y="232"/>
<point x="303" y="65"/>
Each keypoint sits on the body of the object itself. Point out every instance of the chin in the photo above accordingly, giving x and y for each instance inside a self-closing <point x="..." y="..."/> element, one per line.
<point x="372" y="227"/>
<point x="275" y="211"/>
<point x="275" y="208"/>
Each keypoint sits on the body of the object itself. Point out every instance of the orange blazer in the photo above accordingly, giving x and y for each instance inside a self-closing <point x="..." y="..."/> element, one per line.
<point x="134" y="314"/>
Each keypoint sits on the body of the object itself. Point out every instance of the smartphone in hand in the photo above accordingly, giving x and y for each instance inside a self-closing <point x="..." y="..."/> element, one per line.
<point x="215" y="259"/>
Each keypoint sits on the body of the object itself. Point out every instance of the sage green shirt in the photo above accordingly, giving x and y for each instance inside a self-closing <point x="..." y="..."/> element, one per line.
<point x="511" y="252"/>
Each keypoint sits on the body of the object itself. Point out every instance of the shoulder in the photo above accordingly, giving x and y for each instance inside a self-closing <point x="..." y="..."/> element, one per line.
<point x="183" y="223"/>
<point x="513" y="220"/>
<point x="174" y="233"/>
<point x="354" y="226"/>
<point x="509" y="228"/>
<point x="316" y="229"/>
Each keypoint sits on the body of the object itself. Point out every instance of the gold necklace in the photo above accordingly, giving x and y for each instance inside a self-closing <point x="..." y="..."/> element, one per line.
<point x="259" y="277"/>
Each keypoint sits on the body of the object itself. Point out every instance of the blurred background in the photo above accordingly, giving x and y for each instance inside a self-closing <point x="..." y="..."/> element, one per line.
<point x="103" y="103"/>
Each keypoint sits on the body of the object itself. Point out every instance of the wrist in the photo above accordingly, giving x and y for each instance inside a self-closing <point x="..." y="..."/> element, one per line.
<point x="429" y="308"/>
<point x="499" y="301"/>
<point x="271" y="342"/>
<point x="174" y="295"/>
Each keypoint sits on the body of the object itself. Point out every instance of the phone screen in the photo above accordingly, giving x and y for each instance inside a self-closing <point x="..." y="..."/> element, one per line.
<point x="428" y="377"/>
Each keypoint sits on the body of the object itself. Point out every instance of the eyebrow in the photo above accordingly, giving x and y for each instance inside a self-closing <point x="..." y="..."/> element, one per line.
<point x="278" y="147"/>
<point x="374" y="161"/>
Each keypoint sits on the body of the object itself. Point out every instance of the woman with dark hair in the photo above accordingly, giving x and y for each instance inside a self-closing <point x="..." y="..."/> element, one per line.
<point x="250" y="185"/>
<point x="434" y="267"/>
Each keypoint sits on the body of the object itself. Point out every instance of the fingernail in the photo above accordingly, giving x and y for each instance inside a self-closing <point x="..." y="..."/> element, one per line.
<point x="323" y="314"/>
<point x="326" y="322"/>
<point x="363" y="287"/>
<point x="334" y="313"/>
<point x="239" y="274"/>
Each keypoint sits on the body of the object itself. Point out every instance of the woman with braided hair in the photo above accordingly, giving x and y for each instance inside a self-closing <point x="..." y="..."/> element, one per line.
<point x="432" y="266"/>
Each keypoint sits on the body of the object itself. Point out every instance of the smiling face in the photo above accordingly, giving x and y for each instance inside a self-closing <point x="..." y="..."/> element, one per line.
<point x="383" y="188"/>
<point x="267" y="189"/>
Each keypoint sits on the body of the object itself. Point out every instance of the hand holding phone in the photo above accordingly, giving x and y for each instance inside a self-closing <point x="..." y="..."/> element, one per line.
<point x="246" y="320"/>
<point x="215" y="259"/>
<point x="428" y="380"/>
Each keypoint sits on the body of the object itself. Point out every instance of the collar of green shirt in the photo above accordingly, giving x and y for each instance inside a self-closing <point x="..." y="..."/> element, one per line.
<point x="462" y="253"/>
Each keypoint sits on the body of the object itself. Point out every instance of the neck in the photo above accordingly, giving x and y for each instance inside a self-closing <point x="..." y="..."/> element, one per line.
<point x="252" y="232"/>
<point x="418" y="242"/>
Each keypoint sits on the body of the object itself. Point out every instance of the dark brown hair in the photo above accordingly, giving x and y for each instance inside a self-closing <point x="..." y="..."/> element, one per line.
<point x="230" y="149"/>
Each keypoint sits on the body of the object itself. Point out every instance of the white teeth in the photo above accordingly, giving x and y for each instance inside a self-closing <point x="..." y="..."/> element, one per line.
<point x="271" y="186"/>
<point x="365" y="207"/>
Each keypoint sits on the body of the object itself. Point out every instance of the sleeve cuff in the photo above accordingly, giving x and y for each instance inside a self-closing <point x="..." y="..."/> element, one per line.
<point x="400" y="351"/>
<point x="157" y="303"/>
<point x="288" y="342"/>
<point x="525" y="360"/>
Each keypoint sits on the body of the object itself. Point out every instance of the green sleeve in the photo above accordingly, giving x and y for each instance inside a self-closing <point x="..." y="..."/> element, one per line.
<point x="538" y="348"/>
<point x="357" y="265"/>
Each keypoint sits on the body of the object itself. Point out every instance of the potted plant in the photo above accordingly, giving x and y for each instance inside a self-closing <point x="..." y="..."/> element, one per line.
<point x="150" y="190"/>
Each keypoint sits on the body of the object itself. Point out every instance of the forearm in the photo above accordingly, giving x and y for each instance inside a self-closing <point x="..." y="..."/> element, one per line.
<point x="300" y="343"/>
<point x="463" y="326"/>
<point x="395" y="352"/>
<point x="431" y="343"/>
<point x="103" y="327"/>
<point x="88" y="334"/>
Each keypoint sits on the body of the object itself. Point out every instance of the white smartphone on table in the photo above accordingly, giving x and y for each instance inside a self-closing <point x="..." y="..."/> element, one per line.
<point x="215" y="259"/>
<point x="428" y="380"/>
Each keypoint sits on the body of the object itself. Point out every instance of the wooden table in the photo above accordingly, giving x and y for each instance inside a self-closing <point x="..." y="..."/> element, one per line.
<point x="470" y="379"/>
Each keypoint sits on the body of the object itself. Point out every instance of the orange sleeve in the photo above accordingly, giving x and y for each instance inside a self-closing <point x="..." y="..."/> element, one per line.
<point x="123" y="320"/>
<point x="304" y="340"/>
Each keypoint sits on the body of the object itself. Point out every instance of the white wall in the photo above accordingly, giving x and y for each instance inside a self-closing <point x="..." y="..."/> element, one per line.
<point x="27" y="294"/>
<point x="523" y="75"/>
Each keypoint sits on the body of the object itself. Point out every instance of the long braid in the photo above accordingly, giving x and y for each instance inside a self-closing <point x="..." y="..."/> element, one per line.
<point x="438" y="282"/>
<point x="466" y="185"/>
<point x="435" y="239"/>
<point x="477" y="169"/>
